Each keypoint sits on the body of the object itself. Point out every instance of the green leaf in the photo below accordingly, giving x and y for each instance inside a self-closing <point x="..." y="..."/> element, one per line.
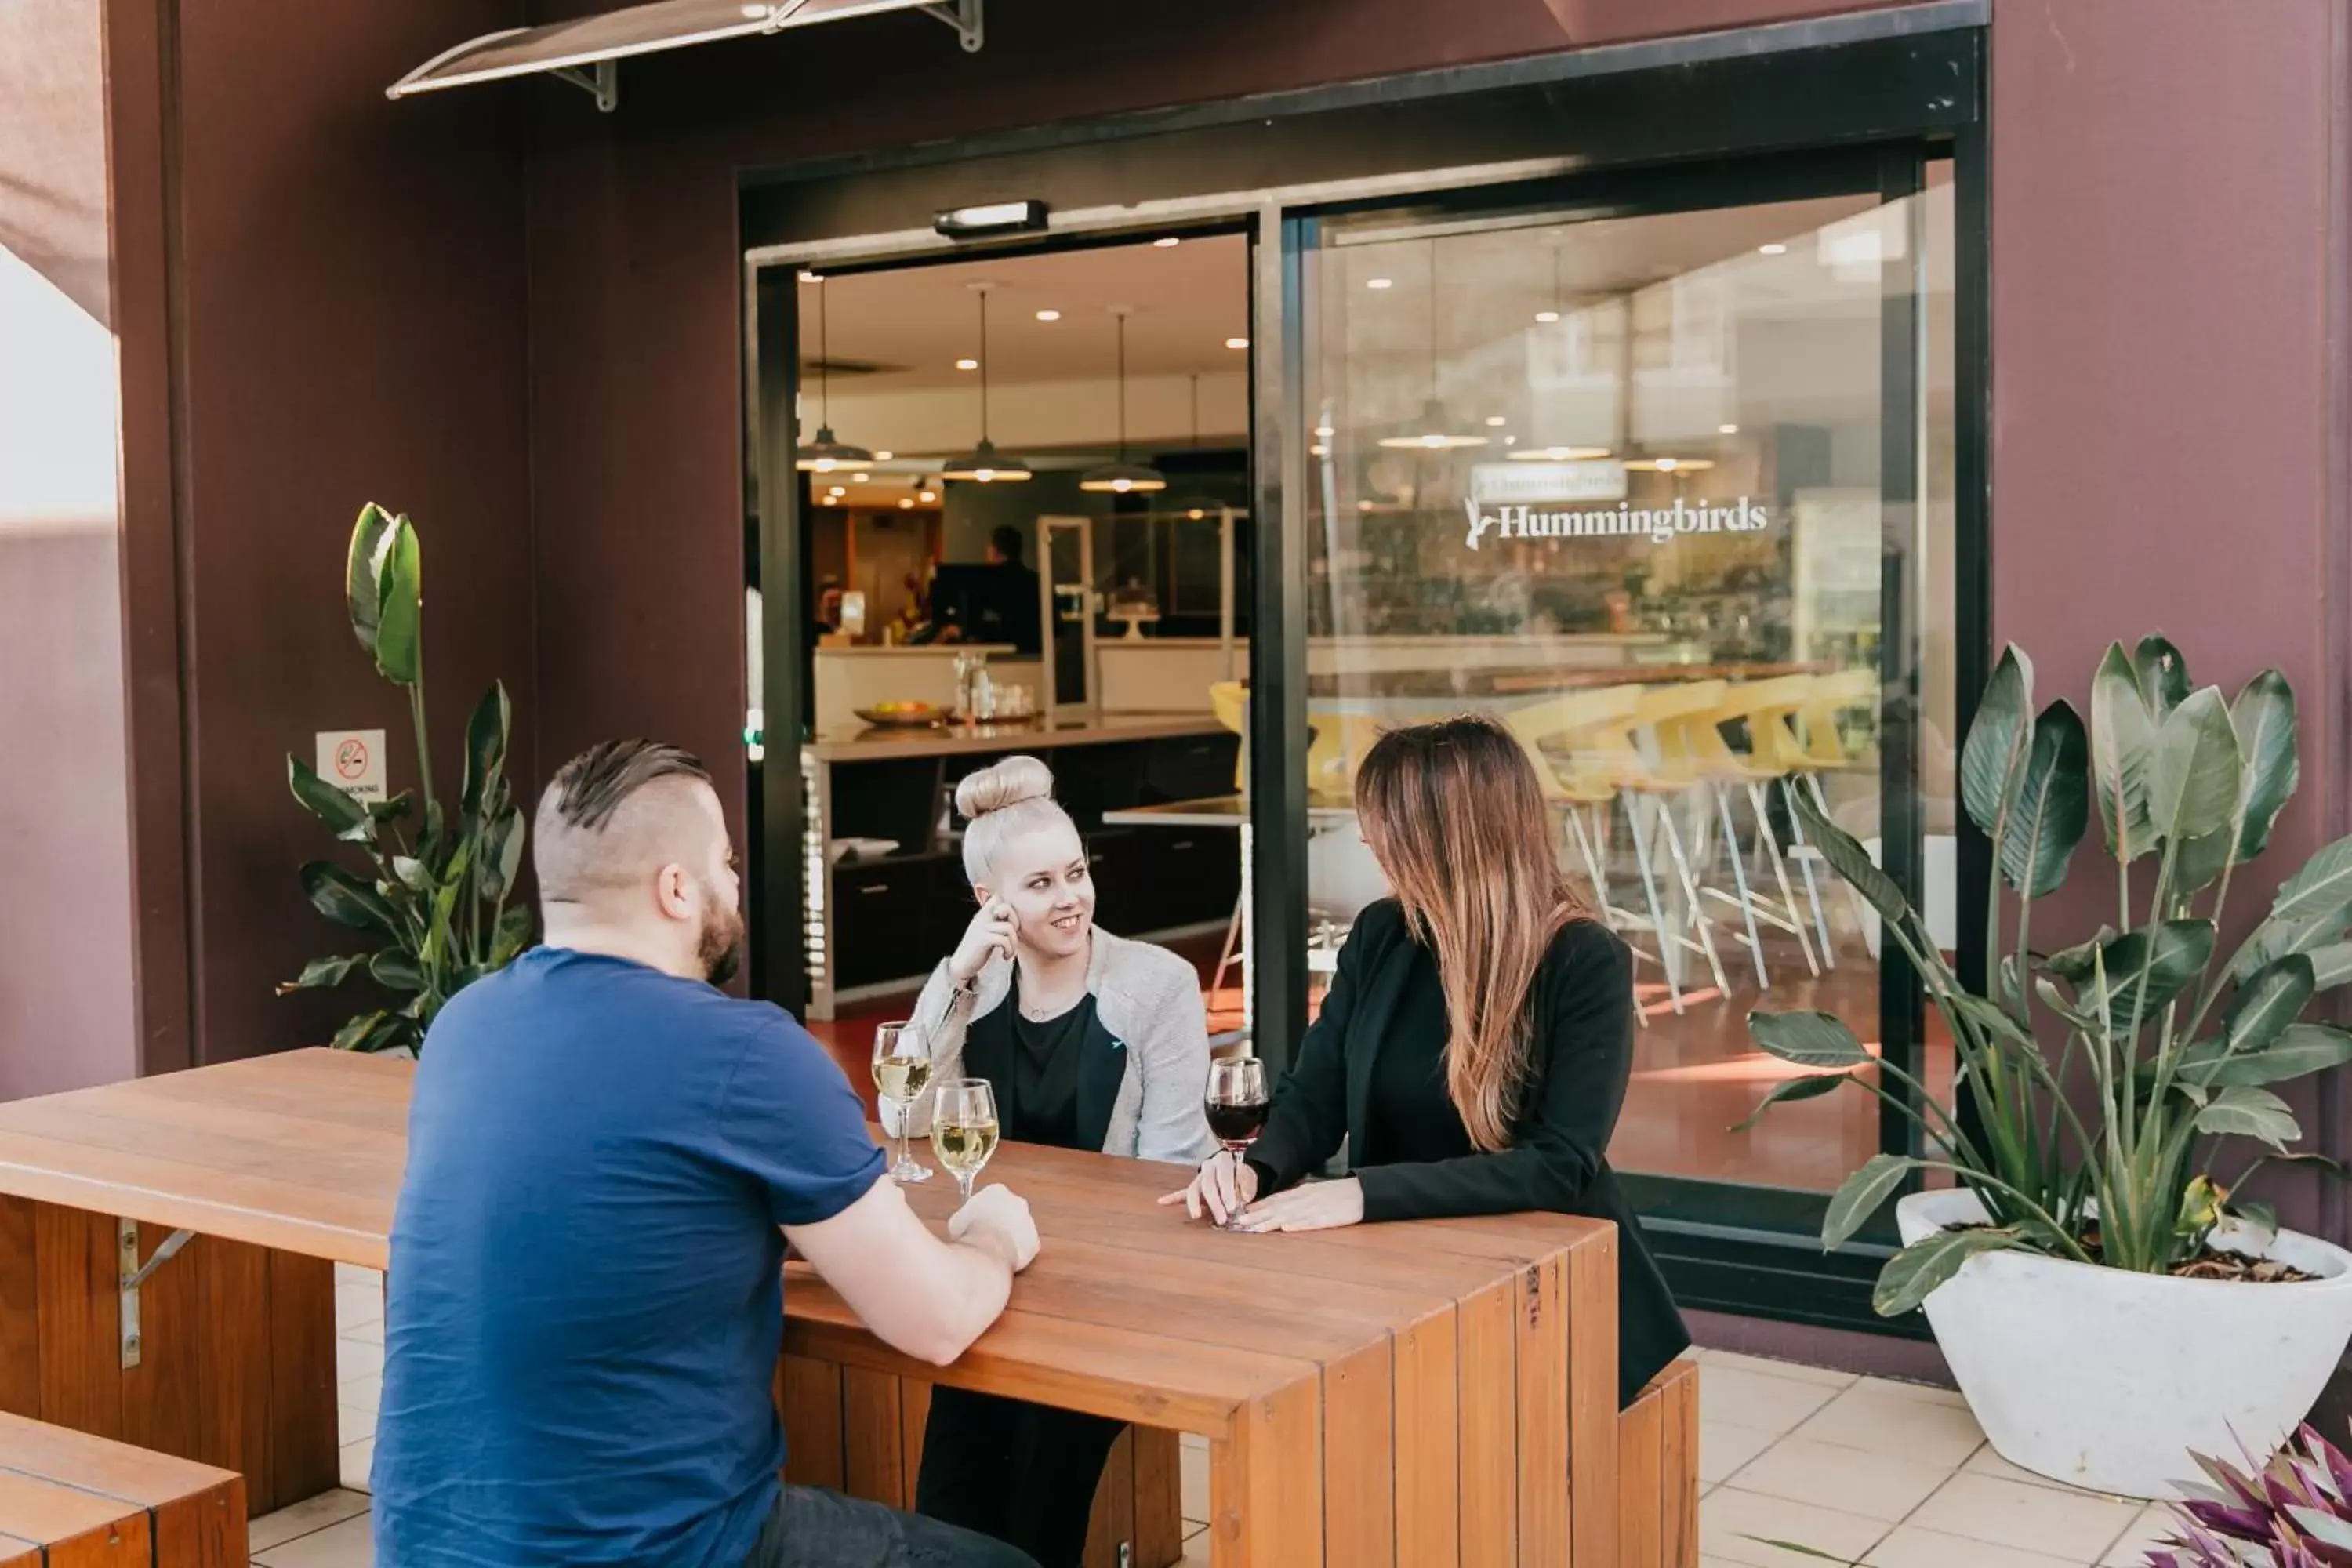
<point x="2243" y="1111"/>
<point x="2331" y="965"/>
<point x="2199" y="860"/>
<point x="501" y="853"/>
<point x="399" y="589"/>
<point x="2300" y="1050"/>
<point x="2074" y="965"/>
<point x="485" y="747"/>
<point x="512" y="935"/>
<point x="2163" y="675"/>
<point x="1851" y="861"/>
<point x="1914" y="1273"/>
<point x="2180" y="949"/>
<point x="2263" y="717"/>
<point x="1992" y="758"/>
<point x="2052" y="806"/>
<point x="1809" y="1039"/>
<point x="354" y="1034"/>
<point x="344" y="899"/>
<point x="1813" y="1086"/>
<point x="369" y="537"/>
<point x="414" y="874"/>
<point x="2260" y="1215"/>
<point x="397" y="971"/>
<point x="395" y="810"/>
<point x="2123" y="753"/>
<point x="2194" y="785"/>
<point x="2321" y="890"/>
<point x="1860" y="1195"/>
<point x="1993" y="1018"/>
<point x="346" y="818"/>
<point x="2267" y="1004"/>
<point x="323" y="974"/>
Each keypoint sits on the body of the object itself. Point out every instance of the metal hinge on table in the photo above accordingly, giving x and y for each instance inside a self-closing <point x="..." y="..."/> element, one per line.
<point x="131" y="1274"/>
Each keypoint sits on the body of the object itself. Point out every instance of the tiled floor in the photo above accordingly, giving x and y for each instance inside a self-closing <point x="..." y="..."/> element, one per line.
<point x="1888" y="1475"/>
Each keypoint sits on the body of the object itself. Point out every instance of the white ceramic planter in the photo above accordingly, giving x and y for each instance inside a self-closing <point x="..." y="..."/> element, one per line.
<point x="2110" y="1380"/>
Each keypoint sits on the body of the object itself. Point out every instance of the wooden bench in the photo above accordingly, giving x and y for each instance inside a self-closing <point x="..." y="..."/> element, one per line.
<point x="71" y="1501"/>
<point x="1657" y="1473"/>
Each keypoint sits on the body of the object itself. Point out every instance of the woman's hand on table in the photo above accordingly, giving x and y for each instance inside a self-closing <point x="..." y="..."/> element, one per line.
<point x="989" y="934"/>
<point x="1317" y="1206"/>
<point x="1222" y="1187"/>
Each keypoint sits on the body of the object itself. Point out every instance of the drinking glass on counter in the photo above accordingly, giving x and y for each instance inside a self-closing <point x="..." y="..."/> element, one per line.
<point x="902" y="1070"/>
<point x="964" y="1129"/>
<point x="1237" y="1103"/>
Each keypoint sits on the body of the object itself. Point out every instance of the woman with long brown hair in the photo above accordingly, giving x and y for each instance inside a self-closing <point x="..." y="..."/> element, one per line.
<point x="1474" y="1048"/>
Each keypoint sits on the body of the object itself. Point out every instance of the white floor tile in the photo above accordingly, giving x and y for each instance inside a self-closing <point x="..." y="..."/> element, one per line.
<point x="1927" y="1392"/>
<point x="368" y="1334"/>
<point x="1876" y="1421"/>
<point x="356" y="1305"/>
<point x="1192" y="1484"/>
<point x="344" y="1545"/>
<point x="1734" y="1359"/>
<point x="1752" y="1399"/>
<point x="1739" y="1527"/>
<point x="2076" y="1527"/>
<point x="1723" y="1447"/>
<point x="1911" y="1547"/>
<point x="305" y="1518"/>
<point x="1196" y="1549"/>
<point x="1877" y="1486"/>
<point x="357" y="1457"/>
<point x="358" y="1358"/>
<point x="1985" y="1462"/>
<point x="361" y="1393"/>
<point x="2147" y="1532"/>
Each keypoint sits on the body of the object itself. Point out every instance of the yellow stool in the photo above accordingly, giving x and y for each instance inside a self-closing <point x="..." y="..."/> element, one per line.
<point x="1766" y="707"/>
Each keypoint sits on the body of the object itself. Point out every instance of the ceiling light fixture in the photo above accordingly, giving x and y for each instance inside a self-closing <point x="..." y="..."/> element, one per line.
<point x="1668" y="464"/>
<point x="861" y="478"/>
<point x="828" y="452"/>
<point x="927" y="497"/>
<point x="1123" y="477"/>
<point x="884" y="456"/>
<point x="1436" y="432"/>
<point x="906" y="503"/>
<point x="983" y="464"/>
<point x="967" y="364"/>
<point x="1547" y="317"/>
<point x="1380" y="283"/>
<point x="1726" y="429"/>
<point x="1049" y="315"/>
<point x="996" y="218"/>
<point x="1558" y="454"/>
<point x="1495" y="421"/>
<point x="1772" y="251"/>
<point x="1166" y="242"/>
<point x="1236" y="342"/>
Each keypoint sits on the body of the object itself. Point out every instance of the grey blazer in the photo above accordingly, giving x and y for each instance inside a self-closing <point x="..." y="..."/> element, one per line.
<point x="1148" y="1004"/>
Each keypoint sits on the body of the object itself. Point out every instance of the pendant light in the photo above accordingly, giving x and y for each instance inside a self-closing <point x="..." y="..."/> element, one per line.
<point x="985" y="464"/>
<point x="1557" y="452"/>
<point x="1435" y="431"/>
<point x="1197" y="505"/>
<point x="827" y="452"/>
<point x="1123" y="477"/>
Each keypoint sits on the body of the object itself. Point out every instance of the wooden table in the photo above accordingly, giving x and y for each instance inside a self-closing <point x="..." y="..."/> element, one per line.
<point x="1435" y="1393"/>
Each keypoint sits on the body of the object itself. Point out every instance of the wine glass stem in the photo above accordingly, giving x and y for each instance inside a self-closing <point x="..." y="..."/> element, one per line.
<point x="963" y="1184"/>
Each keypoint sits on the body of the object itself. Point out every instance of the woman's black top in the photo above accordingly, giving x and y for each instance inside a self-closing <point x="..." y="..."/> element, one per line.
<point x="1039" y="1103"/>
<point x="1371" y="1071"/>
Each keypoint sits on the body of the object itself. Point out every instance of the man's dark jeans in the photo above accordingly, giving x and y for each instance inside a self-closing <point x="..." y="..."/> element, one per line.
<point x="811" y="1528"/>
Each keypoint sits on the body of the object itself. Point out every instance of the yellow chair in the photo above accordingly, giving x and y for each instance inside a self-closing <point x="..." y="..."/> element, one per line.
<point x="1765" y="707"/>
<point x="1229" y="700"/>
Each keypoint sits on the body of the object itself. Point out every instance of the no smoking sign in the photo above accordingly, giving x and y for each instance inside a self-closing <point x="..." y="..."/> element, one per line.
<point x="353" y="760"/>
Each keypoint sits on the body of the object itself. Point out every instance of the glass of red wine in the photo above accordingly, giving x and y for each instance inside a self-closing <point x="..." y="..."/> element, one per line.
<point x="1237" y="1103"/>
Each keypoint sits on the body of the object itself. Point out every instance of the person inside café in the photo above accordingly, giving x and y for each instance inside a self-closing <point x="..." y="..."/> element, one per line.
<point x="1012" y="613"/>
<point x="607" y="1157"/>
<point x="1092" y="1042"/>
<point x="1474" y="1048"/>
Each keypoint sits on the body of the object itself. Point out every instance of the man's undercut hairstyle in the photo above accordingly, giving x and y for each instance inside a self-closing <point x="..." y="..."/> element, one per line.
<point x="591" y="787"/>
<point x="612" y="814"/>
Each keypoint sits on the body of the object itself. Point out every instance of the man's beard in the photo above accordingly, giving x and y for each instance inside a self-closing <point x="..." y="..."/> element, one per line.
<point x="720" y="947"/>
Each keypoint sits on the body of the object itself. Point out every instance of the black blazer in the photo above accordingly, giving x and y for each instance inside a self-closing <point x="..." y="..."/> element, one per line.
<point x="1102" y="1067"/>
<point x="1583" y="1054"/>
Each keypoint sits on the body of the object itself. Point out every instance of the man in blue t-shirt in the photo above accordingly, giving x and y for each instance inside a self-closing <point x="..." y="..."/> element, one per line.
<point x="606" y="1155"/>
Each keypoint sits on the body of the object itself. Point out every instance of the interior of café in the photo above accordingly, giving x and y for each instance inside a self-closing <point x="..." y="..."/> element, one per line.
<point x="1615" y="477"/>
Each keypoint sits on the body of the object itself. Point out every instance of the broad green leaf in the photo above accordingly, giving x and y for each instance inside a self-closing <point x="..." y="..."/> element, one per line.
<point x="2052" y="805"/>
<point x="1914" y="1273"/>
<point x="2276" y="939"/>
<point x="369" y="537"/>
<point x="2264" y="716"/>
<point x="414" y="874"/>
<point x="399" y="589"/>
<point x="394" y="809"/>
<point x="1813" y="1086"/>
<point x="346" y="818"/>
<point x="2331" y="965"/>
<point x="344" y="899"/>
<point x="1809" y="1039"/>
<point x="2267" y="1003"/>
<point x="486" y="746"/>
<point x="2244" y="1112"/>
<point x="2300" y="1050"/>
<point x="2062" y="1007"/>
<point x="504" y="854"/>
<point x="2260" y="1215"/>
<point x="1994" y="1019"/>
<point x="397" y="971"/>
<point x="1860" y="1195"/>
<point x="2175" y="953"/>
<point x="323" y="974"/>
<point x="2321" y="890"/>
<point x="1992" y="758"/>
<point x="2162" y="673"/>
<point x="2199" y="860"/>
<point x="2123" y="752"/>
<point x="2074" y="965"/>
<point x="512" y="935"/>
<point x="2195" y="783"/>
<point x="353" y="1035"/>
<point x="1850" y="860"/>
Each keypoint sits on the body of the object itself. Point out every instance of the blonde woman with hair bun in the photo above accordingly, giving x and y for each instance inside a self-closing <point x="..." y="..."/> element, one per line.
<point x="1091" y="1042"/>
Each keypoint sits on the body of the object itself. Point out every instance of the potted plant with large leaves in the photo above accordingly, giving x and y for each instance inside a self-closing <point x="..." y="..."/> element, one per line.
<point x="2107" y="1297"/>
<point x="436" y="892"/>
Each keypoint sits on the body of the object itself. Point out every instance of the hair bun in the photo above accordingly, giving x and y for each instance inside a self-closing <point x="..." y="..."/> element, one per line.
<point x="1008" y="783"/>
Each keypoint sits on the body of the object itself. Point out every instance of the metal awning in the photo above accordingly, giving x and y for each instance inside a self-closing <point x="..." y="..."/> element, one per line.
<point x="587" y="52"/>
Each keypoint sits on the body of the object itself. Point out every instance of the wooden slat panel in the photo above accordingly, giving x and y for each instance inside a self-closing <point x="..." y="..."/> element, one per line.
<point x="1678" y="1467"/>
<point x="1589" y="1269"/>
<point x="32" y="1508"/>
<point x="233" y="1359"/>
<point x="102" y="1465"/>
<point x="1641" y="1434"/>
<point x="81" y="1359"/>
<point x="303" y="1457"/>
<point x="1112" y="1521"/>
<point x="914" y="1420"/>
<point x="873" y="1453"/>
<point x="16" y="1554"/>
<point x="1487" y="1419"/>
<point x="1428" y="1445"/>
<point x="127" y="1544"/>
<point x="203" y="1532"/>
<point x="809" y="1395"/>
<point x="1541" y="1321"/>
<point x="1159" y="1497"/>
<point x="20" y="1315"/>
<point x="1266" y="1482"/>
<point x="163" y="1396"/>
<point x="1359" y="1456"/>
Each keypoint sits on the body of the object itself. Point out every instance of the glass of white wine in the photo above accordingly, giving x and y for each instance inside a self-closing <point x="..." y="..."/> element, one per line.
<point x="902" y="1070"/>
<point x="964" y="1129"/>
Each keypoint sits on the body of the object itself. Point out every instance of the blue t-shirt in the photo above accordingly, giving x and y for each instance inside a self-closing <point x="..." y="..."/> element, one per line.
<point x="586" y="1291"/>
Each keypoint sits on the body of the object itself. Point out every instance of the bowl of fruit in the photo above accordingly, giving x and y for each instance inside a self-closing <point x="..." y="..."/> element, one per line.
<point x="904" y="715"/>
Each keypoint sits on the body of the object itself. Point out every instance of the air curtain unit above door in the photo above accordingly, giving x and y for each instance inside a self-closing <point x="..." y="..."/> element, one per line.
<point x="587" y="52"/>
